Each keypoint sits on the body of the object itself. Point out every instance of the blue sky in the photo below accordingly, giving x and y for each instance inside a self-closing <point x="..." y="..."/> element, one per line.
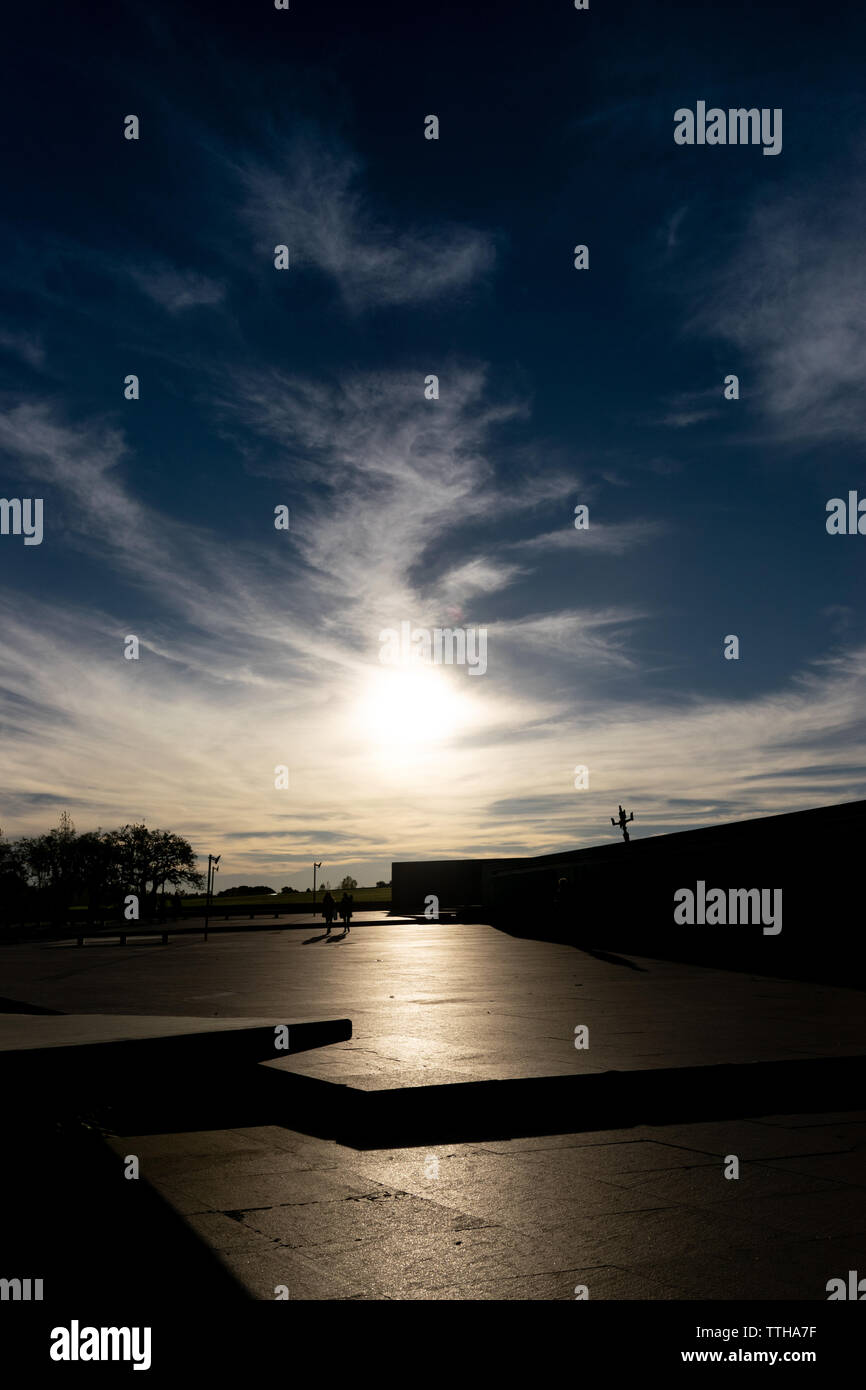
<point x="305" y="388"/>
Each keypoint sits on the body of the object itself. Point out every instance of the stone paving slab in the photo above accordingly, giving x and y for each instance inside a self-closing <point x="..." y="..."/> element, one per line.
<point x="641" y="1211"/>
<point x="706" y="1185"/>
<point x="83" y="1055"/>
<point x="432" y="1000"/>
<point x="23" y="1032"/>
<point x="605" y="1281"/>
<point x="839" y="1212"/>
<point x="751" y="1141"/>
<point x="634" y="1214"/>
<point x="847" y="1167"/>
<point x="774" y="1269"/>
<point x="374" y="1216"/>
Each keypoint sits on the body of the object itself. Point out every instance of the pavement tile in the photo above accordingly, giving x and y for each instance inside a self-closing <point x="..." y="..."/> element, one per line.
<point x="421" y="987"/>
<point x="531" y="1211"/>
<point x="324" y="1153"/>
<point x="262" y="1273"/>
<point x="783" y="1270"/>
<point x="629" y="1238"/>
<point x="365" y="1219"/>
<point x="260" y="1161"/>
<point x="605" y="1161"/>
<point x="398" y="1264"/>
<point x="638" y="1212"/>
<point x="223" y="1233"/>
<point x="213" y="1145"/>
<point x="835" y="1167"/>
<point x="226" y="1191"/>
<point x="707" y="1184"/>
<point x="587" y="1138"/>
<point x="819" y="1120"/>
<point x="603" y="1282"/>
<point x="750" y="1140"/>
<point x="803" y="1214"/>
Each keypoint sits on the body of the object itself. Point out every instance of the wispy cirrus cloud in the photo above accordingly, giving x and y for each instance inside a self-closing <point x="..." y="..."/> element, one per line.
<point x="27" y="346"/>
<point x="600" y="537"/>
<point x="311" y="199"/>
<point x="595" y="638"/>
<point x="483" y="575"/>
<point x="143" y="739"/>
<point x="670" y="233"/>
<point x="177" y="290"/>
<point x="94" y="507"/>
<point x="793" y="301"/>
<point x="384" y="474"/>
<point x="258" y="656"/>
<point x="693" y="407"/>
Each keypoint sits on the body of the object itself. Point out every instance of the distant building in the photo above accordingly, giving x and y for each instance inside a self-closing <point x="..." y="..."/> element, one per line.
<point x="623" y="894"/>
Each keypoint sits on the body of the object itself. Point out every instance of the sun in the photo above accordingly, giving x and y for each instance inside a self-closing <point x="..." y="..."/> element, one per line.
<point x="404" y="709"/>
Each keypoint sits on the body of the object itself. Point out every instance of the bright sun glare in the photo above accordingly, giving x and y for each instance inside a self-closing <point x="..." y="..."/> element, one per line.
<point x="410" y="708"/>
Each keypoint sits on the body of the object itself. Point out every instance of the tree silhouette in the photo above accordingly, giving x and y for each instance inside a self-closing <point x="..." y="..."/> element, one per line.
<point x="97" y="868"/>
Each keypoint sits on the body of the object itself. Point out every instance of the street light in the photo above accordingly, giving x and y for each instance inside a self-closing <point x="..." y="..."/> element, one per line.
<point x="213" y="863"/>
<point x="315" y="867"/>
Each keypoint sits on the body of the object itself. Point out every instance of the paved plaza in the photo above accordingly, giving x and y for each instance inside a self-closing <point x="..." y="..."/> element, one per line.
<point x="311" y="1182"/>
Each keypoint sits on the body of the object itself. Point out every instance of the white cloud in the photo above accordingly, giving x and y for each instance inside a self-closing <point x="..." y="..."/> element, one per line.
<point x="311" y="201"/>
<point x="479" y="576"/>
<point x="177" y="290"/>
<point x="589" y="637"/>
<point x="693" y="407"/>
<point x="399" y="473"/>
<point x="27" y="346"/>
<point x="600" y="537"/>
<point x="261" y="652"/>
<point x="793" y="301"/>
<point x="671" y="231"/>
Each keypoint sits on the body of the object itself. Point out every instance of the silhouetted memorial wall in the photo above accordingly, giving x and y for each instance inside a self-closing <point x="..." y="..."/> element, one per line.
<point x="624" y="896"/>
<point x="455" y="882"/>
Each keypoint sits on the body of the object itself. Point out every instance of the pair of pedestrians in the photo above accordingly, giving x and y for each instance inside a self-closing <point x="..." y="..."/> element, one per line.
<point x="343" y="908"/>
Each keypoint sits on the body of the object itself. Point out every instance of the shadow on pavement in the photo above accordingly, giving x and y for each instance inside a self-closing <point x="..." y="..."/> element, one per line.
<point x="613" y="959"/>
<point x="477" y="1110"/>
<point x="73" y="1220"/>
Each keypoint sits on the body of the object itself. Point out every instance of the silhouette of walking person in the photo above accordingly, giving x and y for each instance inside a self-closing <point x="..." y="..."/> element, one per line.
<point x="329" y="910"/>
<point x="347" y="902"/>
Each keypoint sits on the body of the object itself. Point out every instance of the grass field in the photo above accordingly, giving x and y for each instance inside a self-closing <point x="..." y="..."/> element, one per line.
<point x="361" y="896"/>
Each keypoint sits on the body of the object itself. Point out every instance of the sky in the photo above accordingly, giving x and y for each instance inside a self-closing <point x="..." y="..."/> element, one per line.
<point x="261" y="648"/>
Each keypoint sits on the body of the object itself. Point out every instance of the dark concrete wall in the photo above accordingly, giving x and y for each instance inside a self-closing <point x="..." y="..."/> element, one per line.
<point x="621" y="896"/>
<point x="455" y="882"/>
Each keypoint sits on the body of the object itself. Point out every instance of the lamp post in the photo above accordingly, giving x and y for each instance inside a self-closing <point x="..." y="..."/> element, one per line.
<point x="315" y="867"/>
<point x="622" y="821"/>
<point x="213" y="863"/>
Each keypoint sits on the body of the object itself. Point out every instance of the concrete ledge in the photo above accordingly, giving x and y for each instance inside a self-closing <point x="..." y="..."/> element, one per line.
<point x="476" y="1110"/>
<point x="78" y="1047"/>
